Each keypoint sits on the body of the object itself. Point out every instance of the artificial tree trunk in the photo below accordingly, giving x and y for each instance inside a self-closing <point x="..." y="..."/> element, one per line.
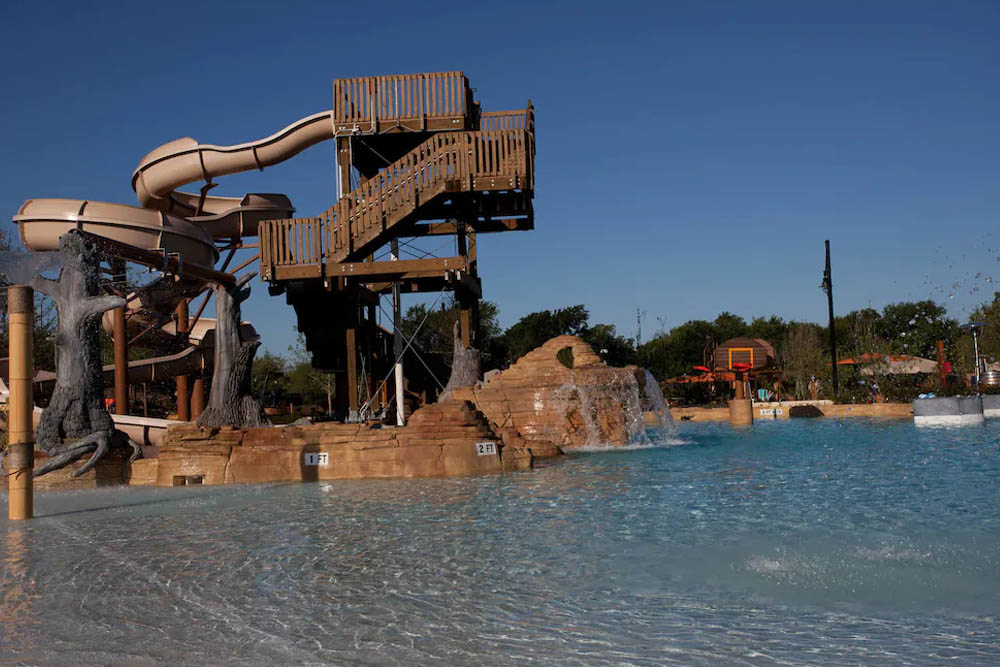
<point x="230" y="402"/>
<point x="465" y="365"/>
<point x="76" y="422"/>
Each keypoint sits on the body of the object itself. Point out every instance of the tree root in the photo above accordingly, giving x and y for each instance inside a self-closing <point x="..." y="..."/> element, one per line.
<point x="98" y="443"/>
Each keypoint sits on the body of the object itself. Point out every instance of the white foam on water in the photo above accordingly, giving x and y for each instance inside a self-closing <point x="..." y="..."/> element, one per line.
<point x="657" y="443"/>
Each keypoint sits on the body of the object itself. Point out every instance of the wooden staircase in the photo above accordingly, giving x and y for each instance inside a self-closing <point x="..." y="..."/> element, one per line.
<point x="445" y="165"/>
<point x="430" y="163"/>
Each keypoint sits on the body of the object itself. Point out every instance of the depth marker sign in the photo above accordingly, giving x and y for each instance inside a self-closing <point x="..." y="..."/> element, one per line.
<point x="321" y="459"/>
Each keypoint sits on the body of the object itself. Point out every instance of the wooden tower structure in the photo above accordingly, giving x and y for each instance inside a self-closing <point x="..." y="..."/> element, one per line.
<point x="416" y="157"/>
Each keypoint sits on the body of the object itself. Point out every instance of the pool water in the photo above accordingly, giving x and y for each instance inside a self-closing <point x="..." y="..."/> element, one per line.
<point x="802" y="542"/>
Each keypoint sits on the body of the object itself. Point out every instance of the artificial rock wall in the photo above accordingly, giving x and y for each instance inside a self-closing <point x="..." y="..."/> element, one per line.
<point x="443" y="439"/>
<point x="552" y="400"/>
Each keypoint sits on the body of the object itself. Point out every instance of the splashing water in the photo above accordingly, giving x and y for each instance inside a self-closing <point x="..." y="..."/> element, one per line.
<point x="20" y="267"/>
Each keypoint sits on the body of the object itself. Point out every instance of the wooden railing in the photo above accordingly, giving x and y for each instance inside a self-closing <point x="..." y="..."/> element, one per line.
<point x="466" y="161"/>
<point x="401" y="97"/>
<point x="522" y="119"/>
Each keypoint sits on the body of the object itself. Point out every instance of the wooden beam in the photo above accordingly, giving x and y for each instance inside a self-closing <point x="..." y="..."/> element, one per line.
<point x="167" y="263"/>
<point x="352" y="361"/>
<point x="378" y="271"/>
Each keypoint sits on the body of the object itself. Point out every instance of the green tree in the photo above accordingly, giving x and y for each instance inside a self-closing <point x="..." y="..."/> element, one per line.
<point x="989" y="339"/>
<point x="674" y="353"/>
<point x="728" y="326"/>
<point x="534" y="329"/>
<point x="614" y="349"/>
<point x="916" y="327"/>
<point x="802" y="356"/>
<point x="304" y="383"/>
<point x="268" y="378"/>
<point x="432" y="331"/>
<point x="772" y="329"/>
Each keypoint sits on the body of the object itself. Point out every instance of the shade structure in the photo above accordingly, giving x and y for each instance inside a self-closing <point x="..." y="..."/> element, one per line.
<point x="891" y="364"/>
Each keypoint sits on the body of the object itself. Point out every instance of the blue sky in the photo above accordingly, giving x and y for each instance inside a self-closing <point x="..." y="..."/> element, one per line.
<point x="692" y="157"/>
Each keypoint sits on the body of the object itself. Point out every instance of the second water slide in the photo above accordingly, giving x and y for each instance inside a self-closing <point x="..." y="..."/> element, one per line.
<point x="178" y="163"/>
<point x="175" y="221"/>
<point x="178" y="222"/>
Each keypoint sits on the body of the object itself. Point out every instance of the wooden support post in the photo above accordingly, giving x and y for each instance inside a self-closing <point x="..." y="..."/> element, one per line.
<point x="183" y="398"/>
<point x="942" y="373"/>
<point x="20" y="459"/>
<point x="120" y="345"/>
<point x="352" y="363"/>
<point x="397" y="343"/>
<point x="197" y="397"/>
<point x="465" y="301"/>
<point x="121" y="361"/>
<point x="371" y="331"/>
<point x="340" y="403"/>
<point x="343" y="166"/>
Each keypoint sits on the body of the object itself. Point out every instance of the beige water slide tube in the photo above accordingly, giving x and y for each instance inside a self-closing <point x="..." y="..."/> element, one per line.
<point x="174" y="221"/>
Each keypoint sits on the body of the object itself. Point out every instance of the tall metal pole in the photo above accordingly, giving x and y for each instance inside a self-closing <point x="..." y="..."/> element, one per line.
<point x="828" y="287"/>
<point x="975" y="351"/>
<point x="397" y="342"/>
<point x="20" y="460"/>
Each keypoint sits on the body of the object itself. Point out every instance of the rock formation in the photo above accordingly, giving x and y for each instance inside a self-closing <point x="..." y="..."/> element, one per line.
<point x="443" y="439"/>
<point x="561" y="396"/>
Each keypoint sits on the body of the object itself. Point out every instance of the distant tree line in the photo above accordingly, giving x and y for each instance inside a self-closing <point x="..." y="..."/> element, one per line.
<point x="802" y="349"/>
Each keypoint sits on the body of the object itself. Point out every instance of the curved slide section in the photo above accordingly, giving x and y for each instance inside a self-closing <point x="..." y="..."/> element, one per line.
<point x="42" y="222"/>
<point x="185" y="161"/>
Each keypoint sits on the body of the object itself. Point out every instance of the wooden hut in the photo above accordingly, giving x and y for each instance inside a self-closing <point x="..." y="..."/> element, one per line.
<point x="756" y="352"/>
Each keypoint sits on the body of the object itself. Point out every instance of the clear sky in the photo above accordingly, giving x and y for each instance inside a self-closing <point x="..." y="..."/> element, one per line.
<point x="692" y="156"/>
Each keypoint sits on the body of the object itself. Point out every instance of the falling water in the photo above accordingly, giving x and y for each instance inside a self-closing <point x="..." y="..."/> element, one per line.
<point x="626" y="400"/>
<point x="20" y="267"/>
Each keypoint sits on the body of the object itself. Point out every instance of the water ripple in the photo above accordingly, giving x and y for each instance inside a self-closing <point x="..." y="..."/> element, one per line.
<point x="825" y="542"/>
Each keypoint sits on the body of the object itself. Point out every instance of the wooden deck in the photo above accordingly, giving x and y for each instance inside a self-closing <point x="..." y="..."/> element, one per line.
<point x="437" y="101"/>
<point x="424" y="160"/>
<point x="446" y="164"/>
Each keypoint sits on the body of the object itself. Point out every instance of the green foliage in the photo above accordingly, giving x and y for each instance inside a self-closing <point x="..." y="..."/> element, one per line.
<point x="534" y="329"/>
<point x="433" y="340"/>
<point x="916" y="327"/>
<point x="612" y="348"/>
<point x="727" y="326"/>
<point x="565" y="357"/>
<point x="773" y="329"/>
<point x="802" y="358"/>
<point x="989" y="340"/>
<point x="268" y="379"/>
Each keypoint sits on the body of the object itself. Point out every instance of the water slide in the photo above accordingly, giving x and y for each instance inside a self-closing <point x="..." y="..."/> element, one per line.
<point x="174" y="222"/>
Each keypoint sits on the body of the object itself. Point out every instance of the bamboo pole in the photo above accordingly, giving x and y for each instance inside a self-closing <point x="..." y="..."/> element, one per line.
<point x="20" y="445"/>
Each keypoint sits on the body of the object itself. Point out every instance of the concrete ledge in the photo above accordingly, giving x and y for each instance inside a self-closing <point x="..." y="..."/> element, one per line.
<point x="991" y="405"/>
<point x="780" y="410"/>
<point x="948" y="411"/>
